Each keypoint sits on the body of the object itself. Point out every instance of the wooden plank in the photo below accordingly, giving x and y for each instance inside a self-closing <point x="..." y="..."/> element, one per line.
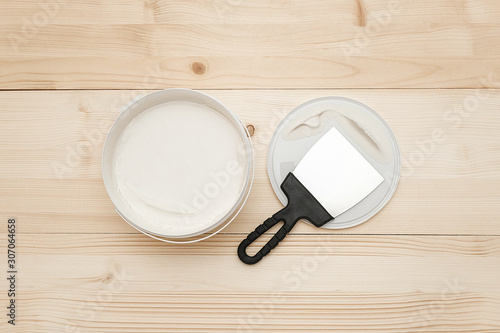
<point x="248" y="72"/>
<point x="158" y="44"/>
<point x="108" y="283"/>
<point x="414" y="246"/>
<point x="102" y="12"/>
<point x="213" y="312"/>
<point x="51" y="142"/>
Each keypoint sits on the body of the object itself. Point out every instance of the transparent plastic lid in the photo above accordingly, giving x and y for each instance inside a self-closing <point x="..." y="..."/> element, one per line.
<point x="361" y="126"/>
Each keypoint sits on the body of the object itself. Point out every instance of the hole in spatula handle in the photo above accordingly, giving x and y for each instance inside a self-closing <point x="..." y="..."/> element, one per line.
<point x="271" y="244"/>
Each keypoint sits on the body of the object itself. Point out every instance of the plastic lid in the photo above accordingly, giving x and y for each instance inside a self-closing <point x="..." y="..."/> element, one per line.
<point x="361" y="126"/>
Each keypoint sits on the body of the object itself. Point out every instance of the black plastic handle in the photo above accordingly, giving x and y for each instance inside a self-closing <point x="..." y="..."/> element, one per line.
<point x="301" y="205"/>
<point x="271" y="244"/>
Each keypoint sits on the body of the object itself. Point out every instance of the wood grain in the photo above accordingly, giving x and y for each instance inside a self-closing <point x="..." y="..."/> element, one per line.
<point x="102" y="12"/>
<point x="336" y="44"/>
<point x="127" y="283"/>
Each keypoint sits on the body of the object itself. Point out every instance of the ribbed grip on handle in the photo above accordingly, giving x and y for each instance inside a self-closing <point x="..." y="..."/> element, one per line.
<point x="271" y="244"/>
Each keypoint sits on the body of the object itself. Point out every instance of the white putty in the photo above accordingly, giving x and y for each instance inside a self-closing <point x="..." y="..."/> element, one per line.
<point x="181" y="167"/>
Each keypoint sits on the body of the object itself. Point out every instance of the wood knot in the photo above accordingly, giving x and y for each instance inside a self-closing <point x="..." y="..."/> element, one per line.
<point x="108" y="278"/>
<point x="198" y="68"/>
<point x="251" y="130"/>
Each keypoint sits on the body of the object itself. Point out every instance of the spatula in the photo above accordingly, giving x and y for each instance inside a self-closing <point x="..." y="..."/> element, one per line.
<point x="331" y="178"/>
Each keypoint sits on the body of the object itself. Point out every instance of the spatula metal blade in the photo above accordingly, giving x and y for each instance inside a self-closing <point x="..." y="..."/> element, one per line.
<point x="336" y="174"/>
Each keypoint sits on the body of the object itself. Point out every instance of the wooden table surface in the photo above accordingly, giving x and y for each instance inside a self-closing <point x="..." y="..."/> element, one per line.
<point x="428" y="262"/>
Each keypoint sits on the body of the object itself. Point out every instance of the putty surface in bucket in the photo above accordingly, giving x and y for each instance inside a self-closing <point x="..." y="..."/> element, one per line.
<point x="178" y="167"/>
<point x="177" y="164"/>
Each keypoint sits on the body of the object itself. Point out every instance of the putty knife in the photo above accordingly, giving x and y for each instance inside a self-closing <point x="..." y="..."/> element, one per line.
<point x="331" y="178"/>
